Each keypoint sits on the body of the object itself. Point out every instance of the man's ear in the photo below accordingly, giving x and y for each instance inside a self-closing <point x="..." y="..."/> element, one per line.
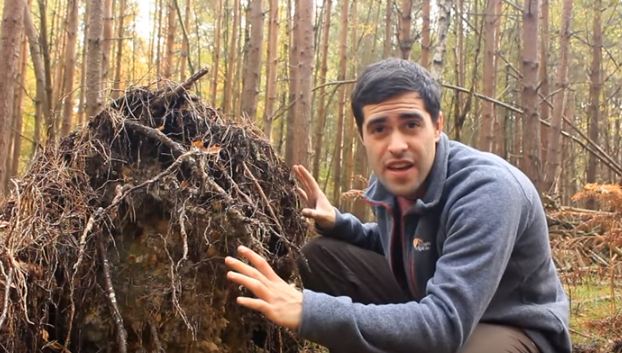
<point x="438" y="126"/>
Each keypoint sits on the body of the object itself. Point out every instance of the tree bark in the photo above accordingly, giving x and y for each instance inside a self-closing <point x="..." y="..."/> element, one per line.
<point x="94" y="58"/>
<point x="106" y="42"/>
<point x="559" y="101"/>
<point x="321" y="95"/>
<point x="405" y="40"/>
<point x="443" y="20"/>
<point x="250" y="83"/>
<point x="216" y="62"/>
<point x="70" y="64"/>
<point x="486" y="131"/>
<point x="272" y="58"/>
<point x="529" y="94"/>
<point x="10" y="38"/>
<point x="171" y="29"/>
<point x="227" y="103"/>
<point x="426" y="44"/>
<point x="298" y="153"/>
<point x="48" y="110"/>
<point x="544" y="75"/>
<point x="387" y="48"/>
<point x="16" y="130"/>
<point x="595" y="90"/>
<point x="116" y="87"/>
<point x="348" y="133"/>
<point x="37" y="63"/>
<point x="341" y="108"/>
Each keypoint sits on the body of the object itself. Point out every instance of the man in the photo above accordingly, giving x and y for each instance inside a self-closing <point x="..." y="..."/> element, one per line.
<point x="458" y="261"/>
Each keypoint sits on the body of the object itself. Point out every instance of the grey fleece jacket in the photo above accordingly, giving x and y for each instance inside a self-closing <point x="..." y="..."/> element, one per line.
<point x="482" y="254"/>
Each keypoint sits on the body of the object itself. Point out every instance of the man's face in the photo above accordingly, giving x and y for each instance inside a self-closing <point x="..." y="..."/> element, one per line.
<point x="400" y="139"/>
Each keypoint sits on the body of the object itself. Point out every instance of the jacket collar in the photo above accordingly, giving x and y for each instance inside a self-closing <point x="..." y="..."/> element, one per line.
<point x="376" y="193"/>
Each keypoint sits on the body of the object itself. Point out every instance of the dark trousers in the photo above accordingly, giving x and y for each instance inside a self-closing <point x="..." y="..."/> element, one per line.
<point x="341" y="269"/>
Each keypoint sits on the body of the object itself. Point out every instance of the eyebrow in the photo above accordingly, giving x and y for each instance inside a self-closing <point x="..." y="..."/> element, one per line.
<point x="379" y="119"/>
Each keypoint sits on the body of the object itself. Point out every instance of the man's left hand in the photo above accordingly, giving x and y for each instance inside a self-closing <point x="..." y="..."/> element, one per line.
<point x="279" y="301"/>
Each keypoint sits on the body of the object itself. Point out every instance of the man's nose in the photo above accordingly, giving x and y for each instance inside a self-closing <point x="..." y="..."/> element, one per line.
<point x="397" y="144"/>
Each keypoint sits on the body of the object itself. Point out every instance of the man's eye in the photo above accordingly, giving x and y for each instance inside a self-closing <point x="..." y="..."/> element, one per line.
<point x="377" y="129"/>
<point x="412" y="124"/>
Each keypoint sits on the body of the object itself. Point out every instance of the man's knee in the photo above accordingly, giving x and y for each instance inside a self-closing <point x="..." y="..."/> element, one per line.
<point x="488" y="338"/>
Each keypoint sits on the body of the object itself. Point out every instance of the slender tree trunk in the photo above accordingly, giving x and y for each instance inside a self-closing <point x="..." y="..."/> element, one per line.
<point x="217" y="35"/>
<point x="82" y="98"/>
<point x="17" y="111"/>
<point x="45" y="51"/>
<point x="37" y="63"/>
<point x="387" y="48"/>
<point x="321" y="95"/>
<point x="158" y="39"/>
<point x="227" y="103"/>
<point x="272" y="59"/>
<point x="544" y="75"/>
<point x="250" y="84"/>
<point x="106" y="43"/>
<point x="185" y="48"/>
<point x="405" y="40"/>
<point x="298" y="153"/>
<point x="116" y="87"/>
<point x="442" y="21"/>
<point x="70" y="64"/>
<point x="171" y="31"/>
<point x="341" y="75"/>
<point x="596" y="85"/>
<point x="529" y="95"/>
<point x="348" y="132"/>
<point x="486" y="133"/>
<point x="94" y="58"/>
<point x="559" y="100"/>
<point x="10" y="39"/>
<point x="426" y="44"/>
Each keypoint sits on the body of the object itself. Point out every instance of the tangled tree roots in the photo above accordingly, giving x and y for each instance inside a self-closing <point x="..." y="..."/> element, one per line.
<point x="114" y="241"/>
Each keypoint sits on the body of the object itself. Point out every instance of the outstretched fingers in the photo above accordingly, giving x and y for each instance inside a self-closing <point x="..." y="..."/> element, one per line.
<point x="258" y="262"/>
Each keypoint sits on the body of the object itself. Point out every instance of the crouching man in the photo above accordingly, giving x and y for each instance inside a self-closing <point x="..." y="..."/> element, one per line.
<point x="458" y="259"/>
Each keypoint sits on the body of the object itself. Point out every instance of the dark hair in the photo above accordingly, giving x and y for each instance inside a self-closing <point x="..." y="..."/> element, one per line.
<point x="389" y="78"/>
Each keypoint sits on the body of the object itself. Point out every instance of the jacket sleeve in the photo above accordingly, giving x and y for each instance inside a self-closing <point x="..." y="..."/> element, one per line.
<point x="351" y="230"/>
<point x="481" y="225"/>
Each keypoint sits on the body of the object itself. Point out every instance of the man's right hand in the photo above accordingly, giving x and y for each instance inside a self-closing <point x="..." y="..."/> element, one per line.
<point x="318" y="207"/>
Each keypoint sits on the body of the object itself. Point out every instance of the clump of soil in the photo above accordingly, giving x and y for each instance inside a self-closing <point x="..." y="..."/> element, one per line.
<point x="114" y="240"/>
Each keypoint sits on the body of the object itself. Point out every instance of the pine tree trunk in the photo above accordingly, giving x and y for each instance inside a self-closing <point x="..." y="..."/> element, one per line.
<point x="10" y="39"/>
<point x="595" y="90"/>
<point x="216" y="62"/>
<point x="387" y="48"/>
<point x="116" y="87"/>
<point x="544" y="90"/>
<point x="486" y="133"/>
<point x="559" y="101"/>
<point x="37" y="63"/>
<point x="405" y="39"/>
<point x="171" y="29"/>
<point x="70" y="64"/>
<point x="94" y="58"/>
<point x="185" y="48"/>
<point x="425" y="35"/>
<point x="48" y="110"/>
<point x="318" y="133"/>
<point x="106" y="43"/>
<point x="298" y="152"/>
<point x="16" y="135"/>
<point x="231" y="62"/>
<point x="250" y="83"/>
<point x="529" y="95"/>
<point x="341" y="109"/>
<point x="272" y="58"/>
